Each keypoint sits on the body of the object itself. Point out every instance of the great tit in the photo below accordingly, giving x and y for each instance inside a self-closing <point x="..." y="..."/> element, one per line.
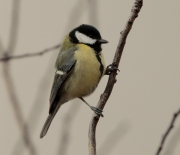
<point x="79" y="67"/>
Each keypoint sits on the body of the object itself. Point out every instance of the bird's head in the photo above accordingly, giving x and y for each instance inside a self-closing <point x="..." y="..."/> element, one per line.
<point x="89" y="35"/>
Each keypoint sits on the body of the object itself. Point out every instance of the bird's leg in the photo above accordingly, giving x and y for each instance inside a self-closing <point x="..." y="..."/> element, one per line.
<point x="95" y="109"/>
<point x="110" y="68"/>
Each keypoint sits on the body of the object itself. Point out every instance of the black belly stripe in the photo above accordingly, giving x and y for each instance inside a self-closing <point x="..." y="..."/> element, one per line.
<point x="101" y="65"/>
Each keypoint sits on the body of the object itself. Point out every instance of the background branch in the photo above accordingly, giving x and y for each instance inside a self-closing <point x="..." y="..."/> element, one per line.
<point x="8" y="57"/>
<point x="93" y="12"/>
<point x="65" y="135"/>
<point x="112" y="78"/>
<point x="173" y="143"/>
<point x="1" y="48"/>
<point x="17" y="109"/>
<point x="14" y="26"/>
<point x="9" y="79"/>
<point x="37" y="107"/>
<point x="167" y="132"/>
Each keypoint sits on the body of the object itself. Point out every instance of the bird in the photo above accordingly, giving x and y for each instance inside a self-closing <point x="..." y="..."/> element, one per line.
<point x="80" y="65"/>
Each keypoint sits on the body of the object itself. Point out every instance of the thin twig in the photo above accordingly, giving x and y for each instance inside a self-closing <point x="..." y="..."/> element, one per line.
<point x="112" y="78"/>
<point x="6" y="58"/>
<point x="167" y="132"/>
<point x="1" y="48"/>
<point x="9" y="80"/>
<point x="68" y="119"/>
<point x="76" y="13"/>
<point x="93" y="12"/>
<point x="14" y="26"/>
<point x="173" y="143"/>
<point x="37" y="107"/>
<point x="17" y="109"/>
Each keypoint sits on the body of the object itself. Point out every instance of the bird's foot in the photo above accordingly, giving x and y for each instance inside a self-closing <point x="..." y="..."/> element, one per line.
<point x="110" y="68"/>
<point x="97" y="111"/>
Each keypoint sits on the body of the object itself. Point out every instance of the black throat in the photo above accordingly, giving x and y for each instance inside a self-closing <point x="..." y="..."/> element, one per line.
<point x="101" y="69"/>
<point x="97" y="47"/>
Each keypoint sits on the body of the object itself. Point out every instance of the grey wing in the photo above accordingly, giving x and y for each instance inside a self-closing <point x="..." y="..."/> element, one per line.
<point x="59" y="79"/>
<point x="65" y="64"/>
<point x="62" y="73"/>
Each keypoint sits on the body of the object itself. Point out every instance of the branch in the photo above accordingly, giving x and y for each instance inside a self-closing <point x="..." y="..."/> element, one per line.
<point x="37" y="107"/>
<point x="167" y="132"/>
<point x="1" y="48"/>
<point x="93" y="12"/>
<point x="17" y="109"/>
<point x="9" y="80"/>
<point x="64" y="140"/>
<point x="112" y="78"/>
<point x="14" y="26"/>
<point x="7" y="58"/>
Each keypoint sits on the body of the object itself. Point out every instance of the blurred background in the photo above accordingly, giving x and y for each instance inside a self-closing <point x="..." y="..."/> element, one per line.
<point x="143" y="100"/>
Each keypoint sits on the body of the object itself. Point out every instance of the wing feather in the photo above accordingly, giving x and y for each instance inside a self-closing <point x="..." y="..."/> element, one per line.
<point x="61" y="75"/>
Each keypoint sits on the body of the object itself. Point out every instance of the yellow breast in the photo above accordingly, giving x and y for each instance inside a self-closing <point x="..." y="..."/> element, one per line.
<point x="86" y="75"/>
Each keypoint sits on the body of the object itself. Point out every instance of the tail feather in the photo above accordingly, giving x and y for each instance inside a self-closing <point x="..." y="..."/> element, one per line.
<point x="48" y="122"/>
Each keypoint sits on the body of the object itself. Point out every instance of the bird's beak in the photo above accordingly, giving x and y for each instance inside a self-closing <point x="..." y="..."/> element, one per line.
<point x="102" y="41"/>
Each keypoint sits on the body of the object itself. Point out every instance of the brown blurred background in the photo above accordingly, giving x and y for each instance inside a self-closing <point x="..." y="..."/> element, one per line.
<point x="142" y="103"/>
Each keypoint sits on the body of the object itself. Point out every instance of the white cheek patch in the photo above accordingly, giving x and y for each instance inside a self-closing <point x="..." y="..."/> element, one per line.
<point x="59" y="72"/>
<point x="82" y="38"/>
